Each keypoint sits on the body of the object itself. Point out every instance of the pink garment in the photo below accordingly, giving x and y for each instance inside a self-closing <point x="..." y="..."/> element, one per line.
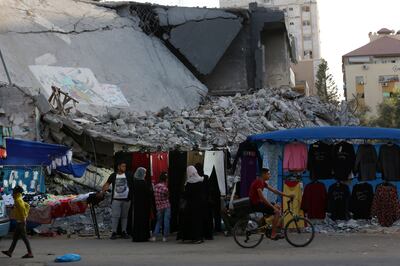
<point x="295" y="157"/>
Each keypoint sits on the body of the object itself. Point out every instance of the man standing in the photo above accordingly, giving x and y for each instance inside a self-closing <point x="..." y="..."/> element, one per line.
<point x="161" y="195"/>
<point x="260" y="204"/>
<point x="122" y="189"/>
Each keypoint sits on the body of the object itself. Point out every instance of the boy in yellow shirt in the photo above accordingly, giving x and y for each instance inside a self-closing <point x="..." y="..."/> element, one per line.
<point x="19" y="213"/>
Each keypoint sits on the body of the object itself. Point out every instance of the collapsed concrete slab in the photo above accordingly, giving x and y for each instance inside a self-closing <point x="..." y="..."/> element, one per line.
<point x="100" y="58"/>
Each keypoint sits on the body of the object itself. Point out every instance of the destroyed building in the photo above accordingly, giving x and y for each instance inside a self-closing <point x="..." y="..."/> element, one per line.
<point x="230" y="51"/>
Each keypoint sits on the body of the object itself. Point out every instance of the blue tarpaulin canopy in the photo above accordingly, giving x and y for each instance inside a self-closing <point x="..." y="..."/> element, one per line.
<point x="32" y="153"/>
<point x="321" y="133"/>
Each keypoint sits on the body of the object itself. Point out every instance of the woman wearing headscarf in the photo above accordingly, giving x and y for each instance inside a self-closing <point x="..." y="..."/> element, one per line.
<point x="191" y="226"/>
<point x="141" y="206"/>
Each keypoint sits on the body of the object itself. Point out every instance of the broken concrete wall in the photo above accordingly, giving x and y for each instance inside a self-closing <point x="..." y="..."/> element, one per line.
<point x="17" y="111"/>
<point x="277" y="59"/>
<point x="95" y="54"/>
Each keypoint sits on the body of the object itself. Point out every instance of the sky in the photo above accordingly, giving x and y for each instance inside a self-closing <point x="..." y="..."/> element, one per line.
<point x="344" y="25"/>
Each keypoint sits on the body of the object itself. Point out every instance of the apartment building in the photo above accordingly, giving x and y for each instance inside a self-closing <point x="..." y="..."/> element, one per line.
<point x="371" y="72"/>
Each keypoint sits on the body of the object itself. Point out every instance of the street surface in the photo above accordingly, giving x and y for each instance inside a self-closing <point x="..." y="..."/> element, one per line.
<point x="337" y="250"/>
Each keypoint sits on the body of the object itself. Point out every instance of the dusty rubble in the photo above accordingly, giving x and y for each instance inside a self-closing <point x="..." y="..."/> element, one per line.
<point x="217" y="122"/>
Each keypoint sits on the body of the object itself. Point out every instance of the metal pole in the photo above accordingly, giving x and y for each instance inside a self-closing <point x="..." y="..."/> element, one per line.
<point x="5" y="68"/>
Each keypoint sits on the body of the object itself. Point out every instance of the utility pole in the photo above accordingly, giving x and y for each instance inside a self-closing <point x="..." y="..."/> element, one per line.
<point x="5" y="68"/>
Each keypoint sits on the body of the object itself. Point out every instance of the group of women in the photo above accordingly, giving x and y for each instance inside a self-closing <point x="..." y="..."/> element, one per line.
<point x="197" y="216"/>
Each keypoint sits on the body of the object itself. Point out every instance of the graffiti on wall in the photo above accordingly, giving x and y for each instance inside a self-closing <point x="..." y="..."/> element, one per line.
<point x="79" y="83"/>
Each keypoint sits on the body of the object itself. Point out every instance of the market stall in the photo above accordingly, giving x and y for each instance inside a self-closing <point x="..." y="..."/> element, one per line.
<point x="25" y="165"/>
<point x="348" y="172"/>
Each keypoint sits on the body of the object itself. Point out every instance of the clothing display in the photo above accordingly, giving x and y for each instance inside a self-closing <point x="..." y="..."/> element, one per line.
<point x="158" y="165"/>
<point x="366" y="162"/>
<point x="389" y="162"/>
<point x="293" y="188"/>
<point x="249" y="148"/>
<point x="320" y="160"/>
<point x="314" y="201"/>
<point x="338" y="201"/>
<point x="295" y="157"/>
<point x="385" y="204"/>
<point x="215" y="160"/>
<point x="271" y="154"/>
<point x="361" y="201"/>
<point x="195" y="157"/>
<point x="343" y="159"/>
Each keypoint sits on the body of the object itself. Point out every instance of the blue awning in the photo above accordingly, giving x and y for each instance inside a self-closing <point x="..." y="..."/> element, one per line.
<point x="325" y="133"/>
<point x="24" y="152"/>
<point x="32" y="153"/>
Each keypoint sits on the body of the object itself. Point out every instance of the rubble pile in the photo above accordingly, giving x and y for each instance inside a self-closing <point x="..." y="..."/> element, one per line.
<point x="217" y="122"/>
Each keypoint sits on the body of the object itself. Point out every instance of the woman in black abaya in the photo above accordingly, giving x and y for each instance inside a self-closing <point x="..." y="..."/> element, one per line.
<point x="141" y="207"/>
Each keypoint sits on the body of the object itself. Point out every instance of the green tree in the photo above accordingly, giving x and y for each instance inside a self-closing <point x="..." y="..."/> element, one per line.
<point x="388" y="113"/>
<point x="326" y="87"/>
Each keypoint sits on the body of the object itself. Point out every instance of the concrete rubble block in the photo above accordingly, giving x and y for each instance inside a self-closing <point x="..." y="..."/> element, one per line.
<point x="42" y="104"/>
<point x="120" y="122"/>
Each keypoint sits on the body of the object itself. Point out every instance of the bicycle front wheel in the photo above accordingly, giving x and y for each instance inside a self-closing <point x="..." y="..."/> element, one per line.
<point x="245" y="236"/>
<point x="299" y="232"/>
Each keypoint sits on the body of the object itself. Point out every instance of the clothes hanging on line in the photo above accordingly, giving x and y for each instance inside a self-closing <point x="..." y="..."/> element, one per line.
<point x="338" y="201"/>
<point x="314" y="201"/>
<point x="343" y="160"/>
<point x="293" y="188"/>
<point x="216" y="160"/>
<point x="366" y="162"/>
<point x="320" y="160"/>
<point x="361" y="201"/>
<point x="295" y="157"/>
<point x="271" y="154"/>
<point x="389" y="162"/>
<point x="385" y="204"/>
<point x="246" y="148"/>
<point x="159" y="164"/>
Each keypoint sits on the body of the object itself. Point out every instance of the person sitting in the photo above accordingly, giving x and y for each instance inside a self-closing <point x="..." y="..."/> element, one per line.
<point x="259" y="203"/>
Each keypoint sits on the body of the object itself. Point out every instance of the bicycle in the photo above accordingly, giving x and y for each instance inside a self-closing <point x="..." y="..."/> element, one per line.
<point x="298" y="231"/>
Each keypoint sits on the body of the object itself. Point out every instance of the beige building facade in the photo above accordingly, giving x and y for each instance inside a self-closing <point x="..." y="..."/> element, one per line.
<point x="371" y="73"/>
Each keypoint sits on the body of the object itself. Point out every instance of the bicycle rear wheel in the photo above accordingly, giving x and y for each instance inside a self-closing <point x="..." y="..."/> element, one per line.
<point x="246" y="235"/>
<point x="299" y="232"/>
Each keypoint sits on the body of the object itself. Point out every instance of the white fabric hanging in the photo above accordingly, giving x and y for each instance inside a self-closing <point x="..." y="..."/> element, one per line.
<point x="216" y="159"/>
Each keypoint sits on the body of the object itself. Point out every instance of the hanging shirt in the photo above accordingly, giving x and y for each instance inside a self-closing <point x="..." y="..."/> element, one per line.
<point x="385" y="205"/>
<point x="361" y="201"/>
<point x="338" y="201"/>
<point x="295" y="157"/>
<point x="320" y="160"/>
<point x="314" y="200"/>
<point x="293" y="188"/>
<point x="343" y="160"/>
<point x="389" y="162"/>
<point x="271" y="154"/>
<point x="366" y="162"/>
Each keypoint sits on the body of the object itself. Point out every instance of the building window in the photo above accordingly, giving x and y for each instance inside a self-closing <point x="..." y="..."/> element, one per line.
<point x="291" y="23"/>
<point x="394" y="61"/>
<point x="306" y="23"/>
<point x="388" y="78"/>
<point x="359" y="80"/>
<point x="307" y="38"/>
<point x="284" y="10"/>
<point x="290" y="8"/>
<point x="308" y="53"/>
<point x="306" y="9"/>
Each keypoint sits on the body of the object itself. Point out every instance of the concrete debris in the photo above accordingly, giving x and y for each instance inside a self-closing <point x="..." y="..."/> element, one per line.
<point x="218" y="121"/>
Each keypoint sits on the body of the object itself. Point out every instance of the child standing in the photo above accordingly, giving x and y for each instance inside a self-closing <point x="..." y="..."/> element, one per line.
<point x="161" y="195"/>
<point x="19" y="213"/>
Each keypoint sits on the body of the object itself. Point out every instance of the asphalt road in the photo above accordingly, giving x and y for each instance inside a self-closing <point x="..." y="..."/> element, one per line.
<point x="337" y="250"/>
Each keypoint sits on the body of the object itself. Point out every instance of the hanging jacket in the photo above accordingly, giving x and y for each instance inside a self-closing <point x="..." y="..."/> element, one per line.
<point x="314" y="200"/>
<point x="361" y="201"/>
<point x="343" y="160"/>
<point x="249" y="149"/>
<point x="385" y="205"/>
<point x="366" y="162"/>
<point x="295" y="157"/>
<point x="338" y="201"/>
<point x="320" y="160"/>
<point x="389" y="162"/>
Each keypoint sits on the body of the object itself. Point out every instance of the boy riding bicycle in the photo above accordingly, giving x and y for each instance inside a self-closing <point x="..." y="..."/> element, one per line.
<point x="260" y="204"/>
